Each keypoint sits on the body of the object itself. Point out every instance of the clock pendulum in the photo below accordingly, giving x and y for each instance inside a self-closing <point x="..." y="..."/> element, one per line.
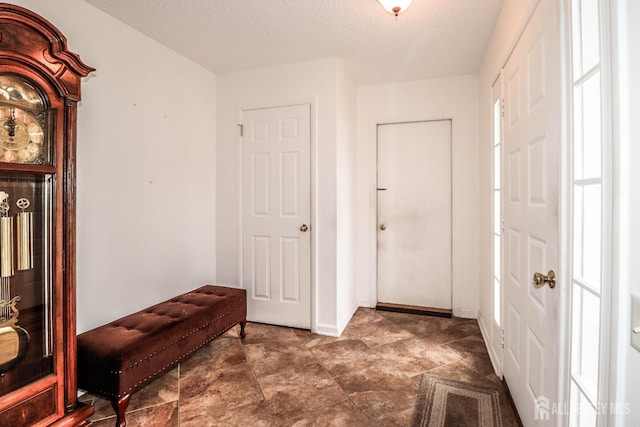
<point x="24" y="222"/>
<point x="14" y="340"/>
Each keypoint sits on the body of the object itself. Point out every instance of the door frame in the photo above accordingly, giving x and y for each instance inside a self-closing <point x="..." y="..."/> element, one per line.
<point x="313" y="133"/>
<point x="372" y="232"/>
<point x="493" y="330"/>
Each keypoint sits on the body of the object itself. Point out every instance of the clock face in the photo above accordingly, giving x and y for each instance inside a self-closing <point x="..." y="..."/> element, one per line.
<point x="21" y="136"/>
<point x="23" y="122"/>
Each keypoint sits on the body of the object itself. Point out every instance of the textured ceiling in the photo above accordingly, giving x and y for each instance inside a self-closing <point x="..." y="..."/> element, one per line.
<point x="433" y="38"/>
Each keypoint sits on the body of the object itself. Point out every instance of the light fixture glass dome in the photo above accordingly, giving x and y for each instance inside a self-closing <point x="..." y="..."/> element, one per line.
<point x="395" y="6"/>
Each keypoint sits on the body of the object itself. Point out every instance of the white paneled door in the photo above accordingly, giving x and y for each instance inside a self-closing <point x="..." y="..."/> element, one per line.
<point x="414" y="214"/>
<point x="531" y="200"/>
<point x="276" y="215"/>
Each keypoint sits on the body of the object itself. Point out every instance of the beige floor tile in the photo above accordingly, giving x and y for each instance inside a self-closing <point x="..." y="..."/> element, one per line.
<point x="279" y="376"/>
<point x="162" y="415"/>
<point x="413" y="356"/>
<point x="253" y="414"/>
<point x="204" y="393"/>
<point x="374" y="378"/>
<point x="345" y="413"/>
<point x="163" y="390"/>
<point x="300" y="390"/>
<point x="378" y="332"/>
<point x="258" y="333"/>
<point x="379" y="405"/>
<point x="219" y="353"/>
<point x="341" y="357"/>
<point x="269" y="358"/>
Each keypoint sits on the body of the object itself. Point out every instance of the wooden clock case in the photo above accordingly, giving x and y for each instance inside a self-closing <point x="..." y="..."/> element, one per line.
<point x="33" y="50"/>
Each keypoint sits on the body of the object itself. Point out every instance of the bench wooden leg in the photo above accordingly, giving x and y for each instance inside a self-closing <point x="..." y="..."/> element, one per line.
<point x="120" y="407"/>
<point x="242" y="332"/>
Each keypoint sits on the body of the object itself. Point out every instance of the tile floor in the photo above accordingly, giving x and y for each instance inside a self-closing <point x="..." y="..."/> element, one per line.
<point x="278" y="376"/>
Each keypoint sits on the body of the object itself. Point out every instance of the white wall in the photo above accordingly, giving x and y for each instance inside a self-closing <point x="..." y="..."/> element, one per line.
<point x="146" y="159"/>
<point x="625" y="366"/>
<point x="453" y="98"/>
<point x="314" y="82"/>
<point x="346" y="192"/>
<point x="511" y="22"/>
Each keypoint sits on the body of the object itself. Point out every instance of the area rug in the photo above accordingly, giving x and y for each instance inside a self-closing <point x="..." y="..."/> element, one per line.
<point x="445" y="403"/>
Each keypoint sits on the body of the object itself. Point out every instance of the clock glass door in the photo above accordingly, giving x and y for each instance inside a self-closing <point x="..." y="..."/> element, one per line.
<point x="27" y="252"/>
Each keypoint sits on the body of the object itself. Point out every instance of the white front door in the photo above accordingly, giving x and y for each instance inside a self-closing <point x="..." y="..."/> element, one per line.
<point x="276" y="215"/>
<point x="414" y="214"/>
<point x="531" y="236"/>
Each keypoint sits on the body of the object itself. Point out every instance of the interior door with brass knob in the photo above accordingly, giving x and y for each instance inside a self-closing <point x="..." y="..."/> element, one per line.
<point x="414" y="214"/>
<point x="276" y="213"/>
<point x="531" y="235"/>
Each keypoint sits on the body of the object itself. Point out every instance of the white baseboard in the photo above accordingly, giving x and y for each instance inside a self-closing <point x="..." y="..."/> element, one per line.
<point x="366" y="304"/>
<point x="465" y="313"/>
<point x="328" y="330"/>
<point x="486" y="336"/>
<point x="342" y="327"/>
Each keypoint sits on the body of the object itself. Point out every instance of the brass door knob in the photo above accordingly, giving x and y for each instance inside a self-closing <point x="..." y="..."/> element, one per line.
<point x="383" y="227"/>
<point x="304" y="228"/>
<point x="540" y="279"/>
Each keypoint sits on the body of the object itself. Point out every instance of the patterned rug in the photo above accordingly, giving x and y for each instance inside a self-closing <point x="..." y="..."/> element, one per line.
<point x="445" y="403"/>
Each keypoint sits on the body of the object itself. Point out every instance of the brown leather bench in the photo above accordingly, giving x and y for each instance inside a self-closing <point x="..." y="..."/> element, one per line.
<point x="119" y="358"/>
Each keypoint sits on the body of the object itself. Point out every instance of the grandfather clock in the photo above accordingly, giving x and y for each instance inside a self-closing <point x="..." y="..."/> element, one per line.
<point x="39" y="92"/>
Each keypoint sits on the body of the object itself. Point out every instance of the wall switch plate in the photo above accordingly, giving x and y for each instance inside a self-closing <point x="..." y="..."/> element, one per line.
<point x="635" y="321"/>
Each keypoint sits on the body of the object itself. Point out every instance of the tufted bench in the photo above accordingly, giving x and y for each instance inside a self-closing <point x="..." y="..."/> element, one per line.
<point x="117" y="359"/>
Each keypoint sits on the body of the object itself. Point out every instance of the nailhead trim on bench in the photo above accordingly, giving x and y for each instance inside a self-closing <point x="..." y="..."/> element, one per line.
<point x="197" y="318"/>
<point x="160" y="371"/>
<point x="133" y="365"/>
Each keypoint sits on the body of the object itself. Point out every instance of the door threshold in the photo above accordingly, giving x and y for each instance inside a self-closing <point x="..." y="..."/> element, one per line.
<point x="414" y="309"/>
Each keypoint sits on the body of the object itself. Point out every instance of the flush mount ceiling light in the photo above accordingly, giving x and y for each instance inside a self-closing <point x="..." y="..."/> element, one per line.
<point x="395" y="6"/>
